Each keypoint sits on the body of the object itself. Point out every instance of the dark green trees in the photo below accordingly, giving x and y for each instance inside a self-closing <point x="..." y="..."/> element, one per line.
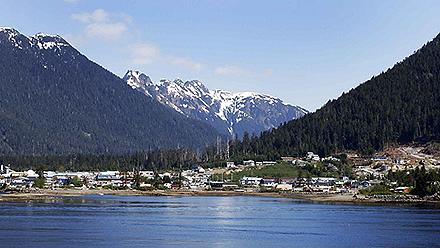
<point x="400" y="105"/>
<point x="56" y="101"/>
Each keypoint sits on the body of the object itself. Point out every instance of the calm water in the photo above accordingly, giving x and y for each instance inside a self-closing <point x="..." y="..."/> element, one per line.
<point x="125" y="221"/>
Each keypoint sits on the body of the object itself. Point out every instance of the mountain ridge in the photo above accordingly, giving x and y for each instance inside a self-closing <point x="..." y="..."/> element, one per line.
<point x="230" y="113"/>
<point x="54" y="100"/>
<point x="400" y="105"/>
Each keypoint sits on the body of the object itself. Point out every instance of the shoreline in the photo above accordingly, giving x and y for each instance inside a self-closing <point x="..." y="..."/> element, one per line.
<point x="46" y="194"/>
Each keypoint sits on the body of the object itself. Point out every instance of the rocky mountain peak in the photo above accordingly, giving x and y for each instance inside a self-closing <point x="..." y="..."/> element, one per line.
<point x="38" y="41"/>
<point x="136" y="79"/>
<point x="48" y="41"/>
<point x="230" y="113"/>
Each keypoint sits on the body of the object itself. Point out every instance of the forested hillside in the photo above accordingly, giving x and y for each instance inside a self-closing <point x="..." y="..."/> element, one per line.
<point x="53" y="100"/>
<point x="400" y="105"/>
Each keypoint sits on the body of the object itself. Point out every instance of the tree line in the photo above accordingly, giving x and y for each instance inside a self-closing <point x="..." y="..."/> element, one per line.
<point x="158" y="159"/>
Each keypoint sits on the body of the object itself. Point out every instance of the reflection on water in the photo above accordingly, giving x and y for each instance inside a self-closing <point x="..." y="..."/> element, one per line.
<point x="135" y="221"/>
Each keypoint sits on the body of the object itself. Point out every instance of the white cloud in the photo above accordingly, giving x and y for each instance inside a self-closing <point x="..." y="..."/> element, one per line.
<point x="102" y="24"/>
<point x="126" y="18"/>
<point x="230" y="70"/>
<point x="106" y="30"/>
<point x="186" y="63"/>
<point x="143" y="53"/>
<point x="147" y="53"/>
<point x="99" y="15"/>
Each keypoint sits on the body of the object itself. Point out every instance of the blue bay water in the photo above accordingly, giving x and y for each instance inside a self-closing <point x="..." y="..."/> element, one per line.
<point x="137" y="221"/>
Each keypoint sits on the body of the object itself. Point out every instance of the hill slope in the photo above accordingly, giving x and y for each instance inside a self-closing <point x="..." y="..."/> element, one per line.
<point x="54" y="100"/>
<point x="230" y="113"/>
<point x="400" y="105"/>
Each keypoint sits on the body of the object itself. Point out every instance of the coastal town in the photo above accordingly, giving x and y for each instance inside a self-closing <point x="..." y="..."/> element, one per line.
<point x="219" y="123"/>
<point x="314" y="175"/>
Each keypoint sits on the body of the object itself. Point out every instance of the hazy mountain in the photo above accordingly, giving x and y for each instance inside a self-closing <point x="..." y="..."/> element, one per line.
<point x="230" y="113"/>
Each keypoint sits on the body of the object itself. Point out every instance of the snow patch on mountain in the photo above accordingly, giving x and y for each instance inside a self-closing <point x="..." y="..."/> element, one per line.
<point x="230" y="113"/>
<point x="40" y="40"/>
<point x="17" y="39"/>
<point x="139" y="81"/>
<point x="48" y="41"/>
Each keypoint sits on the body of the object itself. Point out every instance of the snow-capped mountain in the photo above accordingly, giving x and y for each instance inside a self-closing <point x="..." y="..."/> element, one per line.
<point x="40" y="40"/>
<point x="54" y="100"/>
<point x="230" y="113"/>
<point x="43" y="46"/>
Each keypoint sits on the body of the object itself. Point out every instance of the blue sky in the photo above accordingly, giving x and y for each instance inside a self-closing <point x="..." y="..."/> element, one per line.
<point x="305" y="52"/>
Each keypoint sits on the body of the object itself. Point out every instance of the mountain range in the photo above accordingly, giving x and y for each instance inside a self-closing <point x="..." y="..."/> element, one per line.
<point x="54" y="100"/>
<point x="231" y="114"/>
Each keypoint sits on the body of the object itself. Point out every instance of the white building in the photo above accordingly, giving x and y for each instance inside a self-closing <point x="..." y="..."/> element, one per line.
<point x="249" y="163"/>
<point x="147" y="174"/>
<point x="230" y="165"/>
<point x="284" y="187"/>
<point x="250" y="181"/>
<point x="312" y="156"/>
<point x="269" y="162"/>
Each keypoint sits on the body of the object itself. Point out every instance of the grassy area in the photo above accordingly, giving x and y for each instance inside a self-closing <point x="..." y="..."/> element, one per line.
<point x="279" y="170"/>
<point x="377" y="190"/>
<point x="287" y="170"/>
